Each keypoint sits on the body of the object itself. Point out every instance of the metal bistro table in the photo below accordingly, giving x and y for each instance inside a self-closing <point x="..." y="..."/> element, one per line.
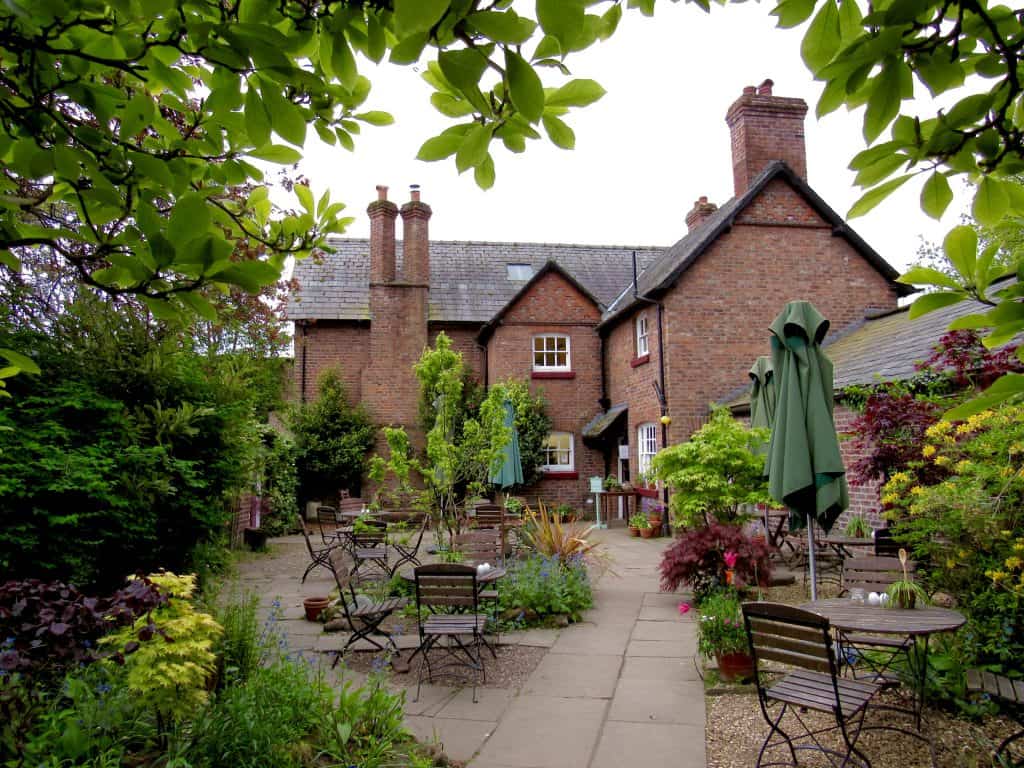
<point x="842" y="545"/>
<point x="916" y="623"/>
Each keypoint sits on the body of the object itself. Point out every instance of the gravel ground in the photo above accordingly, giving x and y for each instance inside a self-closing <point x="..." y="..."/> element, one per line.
<point x="510" y="670"/>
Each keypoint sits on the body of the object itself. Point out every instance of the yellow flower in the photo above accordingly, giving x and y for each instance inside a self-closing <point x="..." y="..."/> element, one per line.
<point x="1019" y="546"/>
<point x="963" y="465"/>
<point x="943" y="461"/>
<point x="996" y="576"/>
<point x="917" y="490"/>
<point x="928" y="451"/>
<point x="899" y="477"/>
<point x="950" y="562"/>
<point x="1013" y="563"/>
<point x="890" y="498"/>
<point x="938" y="429"/>
<point x="961" y="553"/>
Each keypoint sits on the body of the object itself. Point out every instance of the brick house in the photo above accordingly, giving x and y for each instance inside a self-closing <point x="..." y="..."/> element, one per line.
<point x="616" y="337"/>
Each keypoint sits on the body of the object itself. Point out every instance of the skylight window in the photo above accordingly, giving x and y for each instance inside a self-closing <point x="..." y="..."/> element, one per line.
<point x="520" y="272"/>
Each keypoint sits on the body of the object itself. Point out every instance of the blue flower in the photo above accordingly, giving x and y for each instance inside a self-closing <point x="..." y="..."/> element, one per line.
<point x="377" y="663"/>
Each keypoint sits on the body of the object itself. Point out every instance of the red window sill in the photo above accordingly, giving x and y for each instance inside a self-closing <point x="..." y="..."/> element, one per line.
<point x="650" y="493"/>
<point x="561" y="475"/>
<point x="638" y="361"/>
<point x="553" y="375"/>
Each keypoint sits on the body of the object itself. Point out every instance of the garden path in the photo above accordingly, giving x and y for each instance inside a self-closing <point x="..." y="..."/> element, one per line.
<point x="621" y="687"/>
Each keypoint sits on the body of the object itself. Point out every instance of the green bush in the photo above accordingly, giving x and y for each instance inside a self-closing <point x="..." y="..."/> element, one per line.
<point x="547" y="586"/>
<point x="280" y="485"/>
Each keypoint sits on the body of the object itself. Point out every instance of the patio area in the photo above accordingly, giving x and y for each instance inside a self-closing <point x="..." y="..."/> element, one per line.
<point x="620" y="687"/>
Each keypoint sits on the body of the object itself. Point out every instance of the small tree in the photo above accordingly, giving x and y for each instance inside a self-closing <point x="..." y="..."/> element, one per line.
<point x="714" y="472"/>
<point x="531" y="421"/>
<point x="332" y="440"/>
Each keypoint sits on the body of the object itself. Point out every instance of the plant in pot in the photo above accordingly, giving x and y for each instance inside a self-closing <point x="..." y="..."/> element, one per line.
<point x="314" y="606"/>
<point x="565" y="513"/>
<point x="656" y="514"/>
<point x="721" y="635"/>
<point x="906" y="592"/>
<point x="638" y="524"/>
<point x="611" y="483"/>
<point x="858" y="528"/>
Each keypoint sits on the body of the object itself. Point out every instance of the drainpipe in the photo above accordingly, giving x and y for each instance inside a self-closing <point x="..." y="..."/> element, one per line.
<point x="302" y="376"/>
<point x="659" y="386"/>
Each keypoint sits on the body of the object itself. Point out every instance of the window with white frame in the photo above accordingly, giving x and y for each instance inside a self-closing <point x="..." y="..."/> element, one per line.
<point x="558" y="453"/>
<point x="551" y="352"/>
<point x="647" y="446"/>
<point x="642" y="347"/>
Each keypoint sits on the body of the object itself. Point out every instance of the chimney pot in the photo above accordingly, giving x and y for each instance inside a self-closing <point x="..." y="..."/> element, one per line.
<point x="382" y="192"/>
<point x="700" y="211"/>
<point x="765" y="128"/>
<point x="702" y="199"/>
<point x="765" y="88"/>
<point x="749" y="90"/>
<point x="414" y="192"/>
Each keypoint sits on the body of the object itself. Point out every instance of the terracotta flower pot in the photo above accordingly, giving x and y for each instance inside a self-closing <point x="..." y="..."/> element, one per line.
<point x="634" y="531"/>
<point x="314" y="607"/>
<point x="648" y="533"/>
<point x="655" y="521"/>
<point x="735" y="666"/>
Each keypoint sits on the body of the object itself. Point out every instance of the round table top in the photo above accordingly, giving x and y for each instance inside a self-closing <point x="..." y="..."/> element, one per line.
<point x="850" y="541"/>
<point x="481" y="578"/>
<point x="845" y="614"/>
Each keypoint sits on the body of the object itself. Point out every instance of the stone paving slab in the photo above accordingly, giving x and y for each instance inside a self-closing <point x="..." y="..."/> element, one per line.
<point x="433" y="698"/>
<point x="533" y="638"/>
<point x="460" y="739"/>
<point x="650" y="745"/>
<point x="545" y="731"/>
<point x="490" y="705"/>
<point x="588" y="639"/>
<point x="670" y="599"/>
<point x="660" y="669"/>
<point x="665" y="630"/>
<point x="642" y="701"/>
<point x="666" y="648"/>
<point x="660" y="612"/>
<point x="572" y="676"/>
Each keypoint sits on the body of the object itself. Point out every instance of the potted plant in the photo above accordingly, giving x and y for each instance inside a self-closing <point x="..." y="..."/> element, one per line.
<point x="858" y="528"/>
<point x="565" y="513"/>
<point x="905" y="593"/>
<point x="721" y="635"/>
<point x="611" y="483"/>
<point x="655" y="515"/>
<point x="638" y="524"/>
<point x="314" y="606"/>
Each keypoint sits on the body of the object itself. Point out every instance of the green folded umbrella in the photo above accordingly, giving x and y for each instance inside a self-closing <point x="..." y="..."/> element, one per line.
<point x="508" y="470"/>
<point x="762" y="397"/>
<point x="804" y="465"/>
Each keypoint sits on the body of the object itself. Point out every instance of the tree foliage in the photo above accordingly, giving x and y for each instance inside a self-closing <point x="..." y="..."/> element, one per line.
<point x="332" y="442"/>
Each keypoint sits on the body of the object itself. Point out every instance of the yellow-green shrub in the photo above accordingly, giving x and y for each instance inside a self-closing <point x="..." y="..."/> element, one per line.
<point x="173" y="658"/>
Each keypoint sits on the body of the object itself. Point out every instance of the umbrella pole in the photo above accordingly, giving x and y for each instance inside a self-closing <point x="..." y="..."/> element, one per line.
<point x="811" y="565"/>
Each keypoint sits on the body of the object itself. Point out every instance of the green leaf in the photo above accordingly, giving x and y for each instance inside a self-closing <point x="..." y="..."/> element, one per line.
<point x="822" y="39"/>
<point x="875" y="172"/>
<point x="970" y="322"/>
<point x="304" y="194"/>
<point x="20" y="361"/>
<point x="990" y="202"/>
<point x="561" y="135"/>
<point x="932" y="301"/>
<point x="199" y="305"/>
<point x="251" y="276"/>
<point x="473" y="148"/>
<point x="343" y="62"/>
<point x="525" y="88"/>
<point x="277" y="153"/>
<point x="285" y="117"/>
<point x="936" y="195"/>
<point x="576" y="93"/>
<point x="1006" y="387"/>
<point x="562" y="19"/>
<point x="792" y="13"/>
<point x="410" y="49"/>
<point x="961" y="248"/>
<point x="928" y="276"/>
<point x="873" y="197"/>
<point x="257" y="119"/>
<point x="449" y="106"/>
<point x="885" y="98"/>
<point x="162" y="310"/>
<point x="548" y="48"/>
<point x="376" y="117"/>
<point x="462" y="68"/>
<point x="503" y="27"/>
<point x="418" y="15"/>
<point x="190" y="217"/>
<point x="483" y="174"/>
<point x="439" y="147"/>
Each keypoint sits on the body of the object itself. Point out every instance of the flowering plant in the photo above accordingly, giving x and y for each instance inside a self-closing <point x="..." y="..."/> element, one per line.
<point x="720" y="629"/>
<point x="698" y="559"/>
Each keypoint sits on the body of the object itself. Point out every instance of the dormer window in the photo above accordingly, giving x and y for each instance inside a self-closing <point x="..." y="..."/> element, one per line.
<point x="519" y="272"/>
<point x="642" y="346"/>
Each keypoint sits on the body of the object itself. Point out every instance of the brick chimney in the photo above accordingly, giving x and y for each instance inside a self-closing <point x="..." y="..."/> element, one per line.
<point x="765" y="128"/>
<point x="416" y="240"/>
<point x="382" y="214"/>
<point x="700" y="211"/>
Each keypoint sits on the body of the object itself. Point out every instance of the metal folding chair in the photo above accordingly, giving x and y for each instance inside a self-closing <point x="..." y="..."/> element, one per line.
<point x="327" y="519"/>
<point x="370" y="550"/>
<point x="803" y="640"/>
<point x="318" y="556"/>
<point x="483" y="546"/>
<point x="409" y="553"/>
<point x="364" y="619"/>
<point x="447" y="587"/>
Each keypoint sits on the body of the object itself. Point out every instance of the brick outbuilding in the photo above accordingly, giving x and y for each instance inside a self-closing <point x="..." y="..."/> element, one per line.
<point x="617" y="337"/>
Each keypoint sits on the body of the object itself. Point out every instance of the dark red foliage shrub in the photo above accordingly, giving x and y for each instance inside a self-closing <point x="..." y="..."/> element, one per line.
<point x="48" y="627"/>
<point x="962" y="355"/>
<point x="697" y="559"/>
<point x="889" y="433"/>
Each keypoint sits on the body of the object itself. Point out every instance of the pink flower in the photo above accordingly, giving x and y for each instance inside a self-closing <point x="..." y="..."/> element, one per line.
<point x="730" y="559"/>
<point x="684" y="608"/>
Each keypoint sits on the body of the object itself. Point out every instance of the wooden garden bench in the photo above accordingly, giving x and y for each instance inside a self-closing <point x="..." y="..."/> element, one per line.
<point x="1005" y="689"/>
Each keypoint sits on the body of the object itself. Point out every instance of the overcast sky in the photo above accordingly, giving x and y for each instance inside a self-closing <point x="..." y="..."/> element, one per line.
<point x="648" y="149"/>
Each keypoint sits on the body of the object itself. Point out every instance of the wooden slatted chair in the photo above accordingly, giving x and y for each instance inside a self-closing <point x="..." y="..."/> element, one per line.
<point x="874" y="574"/>
<point x="370" y="551"/>
<point x="803" y="640"/>
<point x="364" y="618"/>
<point x="1010" y="691"/>
<point x="885" y="544"/>
<point x="477" y="547"/>
<point x="449" y="587"/>
<point x="318" y="556"/>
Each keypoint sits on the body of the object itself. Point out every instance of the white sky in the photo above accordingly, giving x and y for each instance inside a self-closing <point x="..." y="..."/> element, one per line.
<point x="648" y="149"/>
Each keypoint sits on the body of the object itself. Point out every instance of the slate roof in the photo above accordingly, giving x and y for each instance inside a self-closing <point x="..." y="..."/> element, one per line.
<point x="882" y="347"/>
<point x="468" y="280"/>
<point x="664" y="272"/>
<point x="598" y="425"/>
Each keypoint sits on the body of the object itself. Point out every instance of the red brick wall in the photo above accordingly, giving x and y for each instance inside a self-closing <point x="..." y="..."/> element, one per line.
<point x="864" y="497"/>
<point x="717" y="315"/>
<point x="554" y="305"/>
<point x="331" y="344"/>
<point x="764" y="128"/>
